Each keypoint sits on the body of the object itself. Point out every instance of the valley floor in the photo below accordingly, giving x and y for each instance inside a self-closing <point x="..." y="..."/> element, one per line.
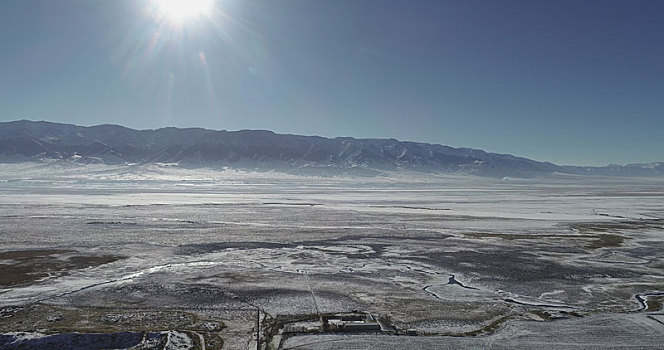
<point x="160" y="257"/>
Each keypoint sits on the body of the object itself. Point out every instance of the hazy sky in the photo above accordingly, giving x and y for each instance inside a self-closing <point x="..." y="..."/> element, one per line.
<point x="572" y="82"/>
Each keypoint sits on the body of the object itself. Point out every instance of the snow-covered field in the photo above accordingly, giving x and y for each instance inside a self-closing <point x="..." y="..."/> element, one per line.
<point x="96" y="248"/>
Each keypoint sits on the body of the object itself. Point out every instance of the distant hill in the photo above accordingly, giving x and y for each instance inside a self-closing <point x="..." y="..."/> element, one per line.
<point x="24" y="140"/>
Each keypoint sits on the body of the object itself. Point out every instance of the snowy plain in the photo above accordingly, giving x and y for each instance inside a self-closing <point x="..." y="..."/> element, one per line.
<point x="465" y="261"/>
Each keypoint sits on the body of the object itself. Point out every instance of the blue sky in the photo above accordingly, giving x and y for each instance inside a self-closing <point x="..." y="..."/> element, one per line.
<point x="572" y="82"/>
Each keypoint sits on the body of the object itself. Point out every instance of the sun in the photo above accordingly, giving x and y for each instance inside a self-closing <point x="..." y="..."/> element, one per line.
<point x="180" y="11"/>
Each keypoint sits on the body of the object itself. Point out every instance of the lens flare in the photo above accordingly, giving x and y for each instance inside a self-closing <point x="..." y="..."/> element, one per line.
<point x="179" y="11"/>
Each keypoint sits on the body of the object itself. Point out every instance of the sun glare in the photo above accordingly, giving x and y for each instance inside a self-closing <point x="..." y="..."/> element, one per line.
<point x="180" y="11"/>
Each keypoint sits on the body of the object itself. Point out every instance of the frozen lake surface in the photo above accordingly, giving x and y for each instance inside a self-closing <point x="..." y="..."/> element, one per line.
<point x="462" y="261"/>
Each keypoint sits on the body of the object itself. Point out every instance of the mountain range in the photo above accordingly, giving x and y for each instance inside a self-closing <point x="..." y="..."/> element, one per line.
<point x="24" y="140"/>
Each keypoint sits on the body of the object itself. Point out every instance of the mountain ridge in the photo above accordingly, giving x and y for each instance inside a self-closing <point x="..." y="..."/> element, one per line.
<point x="25" y="140"/>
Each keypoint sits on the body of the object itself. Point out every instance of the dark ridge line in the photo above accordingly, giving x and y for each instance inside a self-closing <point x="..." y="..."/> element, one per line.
<point x="509" y="300"/>
<point x="155" y="308"/>
<point x="656" y="319"/>
<point x="431" y="293"/>
<point x="452" y="280"/>
<point x="407" y="207"/>
<point x="110" y="223"/>
<point x="285" y="203"/>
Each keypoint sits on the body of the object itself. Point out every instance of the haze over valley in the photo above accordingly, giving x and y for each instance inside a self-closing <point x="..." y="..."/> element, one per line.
<point x="331" y="174"/>
<point x="120" y="238"/>
<point x="265" y="150"/>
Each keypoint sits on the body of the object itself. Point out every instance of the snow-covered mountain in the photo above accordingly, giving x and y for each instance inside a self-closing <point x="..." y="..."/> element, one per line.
<point x="641" y="169"/>
<point x="259" y="149"/>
